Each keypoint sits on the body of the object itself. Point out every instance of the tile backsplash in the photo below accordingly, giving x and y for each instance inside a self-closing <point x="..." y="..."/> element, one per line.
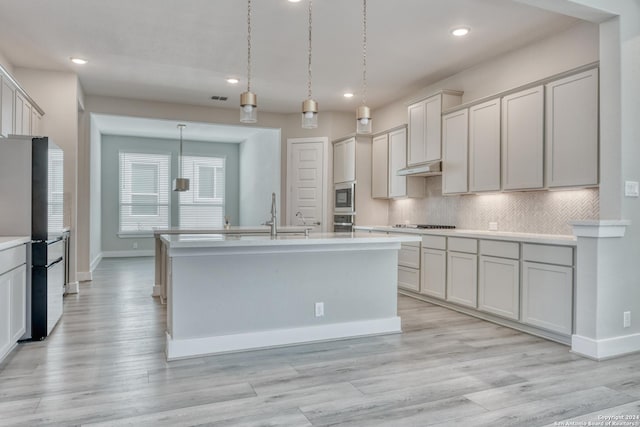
<point x="546" y="212"/>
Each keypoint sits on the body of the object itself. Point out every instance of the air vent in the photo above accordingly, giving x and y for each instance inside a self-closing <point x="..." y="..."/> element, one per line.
<point x="219" y="98"/>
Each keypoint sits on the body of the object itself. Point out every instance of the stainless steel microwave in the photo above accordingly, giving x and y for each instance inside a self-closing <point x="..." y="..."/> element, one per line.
<point x="345" y="198"/>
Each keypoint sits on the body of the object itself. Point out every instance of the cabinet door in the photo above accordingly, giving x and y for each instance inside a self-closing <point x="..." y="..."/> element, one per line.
<point x="522" y="139"/>
<point x="462" y="278"/>
<point x="572" y="130"/>
<point x="409" y="278"/>
<point x="499" y="286"/>
<point x="434" y="273"/>
<point x="5" y="313"/>
<point x="417" y="127"/>
<point x="7" y="119"/>
<point x="380" y="167"/>
<point x="18" y="303"/>
<point x="433" y="134"/>
<point x="455" y="160"/>
<point x="338" y="162"/>
<point x="349" y="169"/>
<point x="397" y="161"/>
<point x="484" y="146"/>
<point x="547" y="296"/>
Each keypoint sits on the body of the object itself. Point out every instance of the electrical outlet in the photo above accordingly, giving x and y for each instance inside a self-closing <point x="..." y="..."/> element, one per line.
<point x="319" y="309"/>
<point x="493" y="226"/>
<point x="135" y="245"/>
<point x="631" y="189"/>
<point x="627" y="319"/>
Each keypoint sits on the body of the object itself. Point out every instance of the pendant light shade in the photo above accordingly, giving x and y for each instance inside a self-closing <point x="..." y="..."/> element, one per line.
<point x="309" y="106"/>
<point x="363" y="113"/>
<point x="179" y="183"/>
<point x="248" y="99"/>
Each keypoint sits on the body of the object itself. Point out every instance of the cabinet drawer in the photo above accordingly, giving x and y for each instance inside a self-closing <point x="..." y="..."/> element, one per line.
<point x="460" y="244"/>
<point x="409" y="278"/>
<point x="12" y="258"/>
<point x="434" y="242"/>
<point x="560" y="255"/>
<point x="500" y="249"/>
<point x="409" y="255"/>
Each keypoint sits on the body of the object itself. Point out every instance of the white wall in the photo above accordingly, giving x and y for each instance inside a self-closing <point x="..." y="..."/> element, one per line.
<point x="261" y="153"/>
<point x="57" y="94"/>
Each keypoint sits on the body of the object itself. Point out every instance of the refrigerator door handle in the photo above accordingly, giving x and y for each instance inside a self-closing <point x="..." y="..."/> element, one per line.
<point x="54" y="263"/>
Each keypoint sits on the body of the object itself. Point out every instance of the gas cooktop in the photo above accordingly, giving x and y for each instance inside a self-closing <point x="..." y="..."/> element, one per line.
<point x="425" y="226"/>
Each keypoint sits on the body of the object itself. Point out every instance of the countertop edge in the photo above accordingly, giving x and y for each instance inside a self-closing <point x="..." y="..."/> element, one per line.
<point x="8" y="242"/>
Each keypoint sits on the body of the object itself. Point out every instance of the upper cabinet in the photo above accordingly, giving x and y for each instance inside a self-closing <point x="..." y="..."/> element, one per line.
<point x="484" y="146"/>
<point x="397" y="161"/>
<point x="8" y="97"/>
<point x="455" y="152"/>
<point x="344" y="160"/>
<point x="424" y="143"/>
<point x="19" y="115"/>
<point x="380" y="167"/>
<point x="572" y="130"/>
<point x="523" y="139"/>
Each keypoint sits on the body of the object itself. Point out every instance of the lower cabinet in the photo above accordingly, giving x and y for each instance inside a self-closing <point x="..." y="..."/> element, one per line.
<point x="18" y="303"/>
<point x="547" y="296"/>
<point x="5" y="314"/>
<point x="409" y="266"/>
<point x="434" y="273"/>
<point x="499" y="286"/>
<point x="13" y="297"/>
<point x="462" y="278"/>
<point x="408" y="278"/>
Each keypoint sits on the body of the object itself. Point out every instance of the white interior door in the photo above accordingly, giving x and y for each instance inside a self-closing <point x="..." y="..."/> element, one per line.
<point x="307" y="182"/>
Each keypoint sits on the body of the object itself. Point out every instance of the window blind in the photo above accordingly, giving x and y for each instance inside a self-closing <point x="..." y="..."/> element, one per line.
<point x="144" y="191"/>
<point x="203" y="205"/>
<point x="55" y="204"/>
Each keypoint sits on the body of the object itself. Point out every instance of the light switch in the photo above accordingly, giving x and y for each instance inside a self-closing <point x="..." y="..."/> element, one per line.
<point x="631" y="189"/>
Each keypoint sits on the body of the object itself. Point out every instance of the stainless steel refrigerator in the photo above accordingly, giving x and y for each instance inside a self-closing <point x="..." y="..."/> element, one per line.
<point x="32" y="204"/>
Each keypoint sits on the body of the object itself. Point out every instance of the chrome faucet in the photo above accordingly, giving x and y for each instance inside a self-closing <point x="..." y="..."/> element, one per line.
<point x="273" y="221"/>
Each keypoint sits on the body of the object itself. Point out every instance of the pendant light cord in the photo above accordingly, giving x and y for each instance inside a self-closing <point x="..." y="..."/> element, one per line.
<point x="364" y="52"/>
<point x="181" y="158"/>
<point x="309" y="66"/>
<point x="249" y="46"/>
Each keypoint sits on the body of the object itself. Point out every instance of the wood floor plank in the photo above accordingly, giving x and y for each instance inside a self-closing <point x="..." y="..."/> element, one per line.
<point x="104" y="365"/>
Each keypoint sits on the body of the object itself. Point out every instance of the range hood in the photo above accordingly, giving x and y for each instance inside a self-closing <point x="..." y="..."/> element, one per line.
<point x="426" y="169"/>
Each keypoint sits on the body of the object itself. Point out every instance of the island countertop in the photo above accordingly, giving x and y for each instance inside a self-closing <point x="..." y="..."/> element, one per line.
<point x="234" y="229"/>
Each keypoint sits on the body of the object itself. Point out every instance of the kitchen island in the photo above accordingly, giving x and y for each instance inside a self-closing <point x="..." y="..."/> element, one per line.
<point x="230" y="292"/>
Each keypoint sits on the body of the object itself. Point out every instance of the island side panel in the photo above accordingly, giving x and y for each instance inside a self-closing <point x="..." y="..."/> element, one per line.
<point x="221" y="295"/>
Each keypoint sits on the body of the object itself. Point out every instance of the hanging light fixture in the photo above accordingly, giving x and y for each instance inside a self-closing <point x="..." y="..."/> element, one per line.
<point x="309" y="106"/>
<point x="248" y="99"/>
<point x="179" y="183"/>
<point x="363" y="113"/>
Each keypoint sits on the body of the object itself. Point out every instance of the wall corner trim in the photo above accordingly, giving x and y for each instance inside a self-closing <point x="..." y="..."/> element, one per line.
<point x="84" y="276"/>
<point x="605" y="348"/>
<point x="600" y="228"/>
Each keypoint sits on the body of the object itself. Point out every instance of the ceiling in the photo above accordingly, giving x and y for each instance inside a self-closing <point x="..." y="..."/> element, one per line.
<point x="182" y="51"/>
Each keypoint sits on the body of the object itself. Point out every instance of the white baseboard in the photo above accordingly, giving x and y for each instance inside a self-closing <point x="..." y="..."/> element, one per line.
<point x="157" y="291"/>
<point x="127" y="254"/>
<point x="95" y="262"/>
<point x="73" y="288"/>
<point x="184" y="348"/>
<point x="605" y="348"/>
<point x="84" y="276"/>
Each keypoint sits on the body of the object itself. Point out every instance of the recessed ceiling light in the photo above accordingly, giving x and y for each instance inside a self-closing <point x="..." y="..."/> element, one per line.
<point x="460" y="31"/>
<point x="232" y="80"/>
<point x="348" y="95"/>
<point x="78" y="61"/>
<point x="294" y="1"/>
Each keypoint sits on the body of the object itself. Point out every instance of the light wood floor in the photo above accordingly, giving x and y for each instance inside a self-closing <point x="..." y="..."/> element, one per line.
<point x="104" y="365"/>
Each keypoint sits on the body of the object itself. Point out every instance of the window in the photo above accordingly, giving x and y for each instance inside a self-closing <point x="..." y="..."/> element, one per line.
<point x="56" y="190"/>
<point x="144" y="191"/>
<point x="203" y="205"/>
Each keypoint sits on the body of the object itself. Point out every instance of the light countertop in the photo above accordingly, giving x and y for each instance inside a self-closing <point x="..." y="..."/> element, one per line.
<point x="234" y="229"/>
<point x="175" y="241"/>
<point x="7" y="242"/>
<point x="549" y="239"/>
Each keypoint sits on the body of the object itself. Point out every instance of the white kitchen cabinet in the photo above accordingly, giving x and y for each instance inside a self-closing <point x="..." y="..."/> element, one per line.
<point x="547" y="296"/>
<point x="434" y="273"/>
<point x="572" y="130"/>
<point x="18" y="303"/>
<point x="409" y="278"/>
<point x="499" y="286"/>
<point x="397" y="161"/>
<point x="5" y="314"/>
<point x="462" y="271"/>
<point x="424" y="143"/>
<point x="484" y="146"/>
<point x="523" y="139"/>
<point x="7" y="106"/>
<point x="409" y="266"/>
<point x="344" y="161"/>
<point x="455" y="133"/>
<point x="380" y="167"/>
<point x="12" y="297"/>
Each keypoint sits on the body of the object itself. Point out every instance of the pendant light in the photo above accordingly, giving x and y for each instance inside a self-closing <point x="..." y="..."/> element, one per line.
<point x="248" y="99"/>
<point x="363" y="113"/>
<point x="309" y="106"/>
<point x="179" y="183"/>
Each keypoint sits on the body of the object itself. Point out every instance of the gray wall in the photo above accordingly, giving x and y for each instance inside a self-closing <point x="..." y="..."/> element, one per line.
<point x="111" y="144"/>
